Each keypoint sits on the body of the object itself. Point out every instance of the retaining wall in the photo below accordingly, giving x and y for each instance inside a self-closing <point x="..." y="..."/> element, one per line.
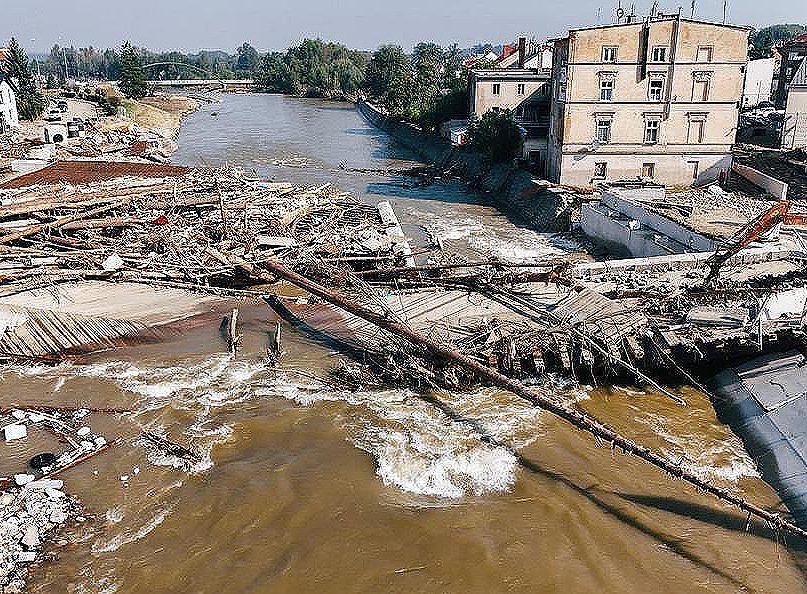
<point x="516" y="191"/>
<point x="774" y="187"/>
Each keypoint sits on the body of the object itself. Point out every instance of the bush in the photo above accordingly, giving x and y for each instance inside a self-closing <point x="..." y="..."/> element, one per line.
<point x="497" y="135"/>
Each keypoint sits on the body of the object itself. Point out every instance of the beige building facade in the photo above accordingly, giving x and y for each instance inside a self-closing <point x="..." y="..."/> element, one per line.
<point x="525" y="92"/>
<point x="656" y="99"/>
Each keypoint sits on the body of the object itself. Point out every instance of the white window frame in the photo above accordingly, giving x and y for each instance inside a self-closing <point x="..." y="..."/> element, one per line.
<point x="650" y="82"/>
<point x="662" y="49"/>
<point x="654" y="125"/>
<point x="604" y="123"/>
<point x="607" y="88"/>
<point x="651" y="167"/>
<point x="609" y="54"/>
<point x="521" y="89"/>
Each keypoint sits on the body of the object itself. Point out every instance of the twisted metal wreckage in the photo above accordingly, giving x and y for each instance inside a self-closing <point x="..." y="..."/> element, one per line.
<point x="427" y="318"/>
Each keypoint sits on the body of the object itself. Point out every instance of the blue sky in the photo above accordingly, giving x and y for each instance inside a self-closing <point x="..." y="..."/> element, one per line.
<point x="271" y="24"/>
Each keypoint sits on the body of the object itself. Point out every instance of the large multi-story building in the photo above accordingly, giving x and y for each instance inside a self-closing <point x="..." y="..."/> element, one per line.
<point x="656" y="98"/>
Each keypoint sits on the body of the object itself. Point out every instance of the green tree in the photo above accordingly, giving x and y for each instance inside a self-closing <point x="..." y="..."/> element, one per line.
<point x="30" y="102"/>
<point x="248" y="59"/>
<point x="762" y="41"/>
<point x="132" y="78"/>
<point x="389" y="80"/>
<point x="427" y="64"/>
<point x="497" y="135"/>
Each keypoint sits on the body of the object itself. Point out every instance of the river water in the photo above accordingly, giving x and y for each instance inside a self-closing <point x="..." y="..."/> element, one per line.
<point x="303" y="488"/>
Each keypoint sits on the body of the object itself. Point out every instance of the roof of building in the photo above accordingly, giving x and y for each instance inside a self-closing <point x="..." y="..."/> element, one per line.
<point x="800" y="78"/>
<point x="656" y="19"/>
<point x="511" y="74"/>
<point x="507" y="51"/>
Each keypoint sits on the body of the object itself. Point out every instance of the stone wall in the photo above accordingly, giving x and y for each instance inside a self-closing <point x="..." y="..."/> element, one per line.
<point x="516" y="191"/>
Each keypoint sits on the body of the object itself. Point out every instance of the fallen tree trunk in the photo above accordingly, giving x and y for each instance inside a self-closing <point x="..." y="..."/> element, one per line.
<point x="425" y="345"/>
<point x="86" y="214"/>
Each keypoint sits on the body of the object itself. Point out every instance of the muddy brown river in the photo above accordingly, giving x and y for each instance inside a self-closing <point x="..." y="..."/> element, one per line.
<point x="305" y="488"/>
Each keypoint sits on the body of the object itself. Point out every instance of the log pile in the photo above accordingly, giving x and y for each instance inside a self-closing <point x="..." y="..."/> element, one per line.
<point x="174" y="230"/>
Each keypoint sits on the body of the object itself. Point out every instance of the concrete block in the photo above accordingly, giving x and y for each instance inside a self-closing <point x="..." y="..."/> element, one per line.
<point x="12" y="432"/>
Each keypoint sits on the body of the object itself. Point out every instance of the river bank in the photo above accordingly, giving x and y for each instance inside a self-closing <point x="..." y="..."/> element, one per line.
<point x="544" y="207"/>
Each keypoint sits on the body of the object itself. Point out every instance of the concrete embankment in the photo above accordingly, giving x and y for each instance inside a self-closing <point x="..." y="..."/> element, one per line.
<point x="516" y="191"/>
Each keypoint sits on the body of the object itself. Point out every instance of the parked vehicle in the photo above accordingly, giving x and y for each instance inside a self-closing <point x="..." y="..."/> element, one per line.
<point x="53" y="115"/>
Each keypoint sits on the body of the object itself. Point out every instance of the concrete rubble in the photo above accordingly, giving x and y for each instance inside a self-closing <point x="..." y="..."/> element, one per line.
<point x="33" y="505"/>
<point x="30" y="516"/>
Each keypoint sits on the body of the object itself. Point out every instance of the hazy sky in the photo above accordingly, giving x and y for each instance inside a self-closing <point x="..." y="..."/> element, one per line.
<point x="272" y="24"/>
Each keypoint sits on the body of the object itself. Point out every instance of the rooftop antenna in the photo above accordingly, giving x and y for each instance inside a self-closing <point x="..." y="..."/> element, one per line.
<point x="620" y="12"/>
<point x="725" y="8"/>
<point x="654" y="9"/>
<point x="599" y="16"/>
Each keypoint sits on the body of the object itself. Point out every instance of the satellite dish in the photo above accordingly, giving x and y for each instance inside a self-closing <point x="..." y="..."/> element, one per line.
<point x="620" y="13"/>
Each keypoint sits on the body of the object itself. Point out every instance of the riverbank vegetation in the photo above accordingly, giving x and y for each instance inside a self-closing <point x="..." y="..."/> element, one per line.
<point x="313" y="68"/>
<point x="427" y="87"/>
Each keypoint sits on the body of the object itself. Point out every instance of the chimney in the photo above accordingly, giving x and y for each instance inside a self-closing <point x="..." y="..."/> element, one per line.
<point x="522" y="51"/>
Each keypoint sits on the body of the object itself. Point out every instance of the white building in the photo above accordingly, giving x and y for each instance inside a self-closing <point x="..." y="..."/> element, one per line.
<point x="758" y="81"/>
<point x="8" y="106"/>
<point x="794" y="128"/>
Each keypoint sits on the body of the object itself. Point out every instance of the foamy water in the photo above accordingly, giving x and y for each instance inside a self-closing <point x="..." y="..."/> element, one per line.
<point x="723" y="460"/>
<point x="501" y="242"/>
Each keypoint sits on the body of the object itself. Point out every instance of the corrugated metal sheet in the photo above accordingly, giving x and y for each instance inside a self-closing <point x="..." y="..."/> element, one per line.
<point x="82" y="172"/>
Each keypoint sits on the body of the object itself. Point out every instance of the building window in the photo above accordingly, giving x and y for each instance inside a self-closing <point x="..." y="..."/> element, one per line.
<point x="704" y="54"/>
<point x="793" y="56"/>
<point x="609" y="54"/>
<point x="696" y="130"/>
<point x="651" y="128"/>
<point x="700" y="89"/>
<point x="656" y="89"/>
<point x="648" y="170"/>
<point x="693" y="167"/>
<point x="520" y="88"/>
<point x="497" y="89"/>
<point x="562" y="92"/>
<point x="600" y="170"/>
<point x="606" y="90"/>
<point x="659" y="54"/>
<point x="603" y="130"/>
